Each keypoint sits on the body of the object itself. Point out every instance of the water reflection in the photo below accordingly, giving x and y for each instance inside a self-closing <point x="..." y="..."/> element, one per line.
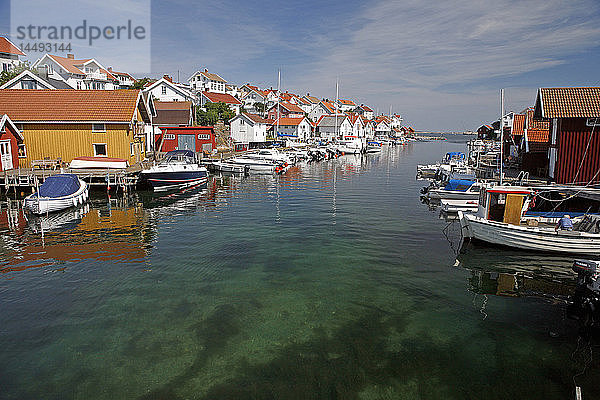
<point x="505" y="272"/>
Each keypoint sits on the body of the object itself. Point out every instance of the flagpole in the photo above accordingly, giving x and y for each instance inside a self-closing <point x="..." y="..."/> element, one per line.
<point x="501" y="132"/>
<point x="278" y="96"/>
<point x="336" y="105"/>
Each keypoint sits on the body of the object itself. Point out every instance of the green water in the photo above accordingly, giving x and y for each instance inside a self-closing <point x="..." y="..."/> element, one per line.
<point x="330" y="282"/>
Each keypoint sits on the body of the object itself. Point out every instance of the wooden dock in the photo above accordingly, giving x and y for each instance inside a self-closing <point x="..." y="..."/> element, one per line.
<point x="26" y="180"/>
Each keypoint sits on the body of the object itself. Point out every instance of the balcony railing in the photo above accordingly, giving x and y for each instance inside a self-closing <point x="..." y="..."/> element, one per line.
<point x="96" y="76"/>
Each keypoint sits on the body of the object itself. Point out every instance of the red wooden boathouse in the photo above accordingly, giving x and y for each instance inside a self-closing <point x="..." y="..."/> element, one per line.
<point x="574" y="139"/>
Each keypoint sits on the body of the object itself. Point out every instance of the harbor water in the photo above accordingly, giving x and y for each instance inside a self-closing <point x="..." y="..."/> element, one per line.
<point x="331" y="281"/>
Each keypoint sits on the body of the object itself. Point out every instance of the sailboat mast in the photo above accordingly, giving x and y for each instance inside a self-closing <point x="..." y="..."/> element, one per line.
<point x="336" y="106"/>
<point x="278" y="97"/>
<point x="501" y="132"/>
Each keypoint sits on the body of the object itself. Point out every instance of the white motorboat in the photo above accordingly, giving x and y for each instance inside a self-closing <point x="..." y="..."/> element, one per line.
<point x="453" y="206"/>
<point x="58" y="192"/>
<point x="373" y="147"/>
<point x="499" y="221"/>
<point x="179" y="169"/>
<point x="253" y="164"/>
<point x="224" y="166"/>
<point x="452" y="160"/>
<point x="98" y="163"/>
<point x="350" y="145"/>
<point x="456" y="189"/>
<point x="269" y="155"/>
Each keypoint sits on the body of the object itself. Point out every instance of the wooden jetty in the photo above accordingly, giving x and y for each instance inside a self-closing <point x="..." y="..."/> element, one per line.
<point x="26" y="180"/>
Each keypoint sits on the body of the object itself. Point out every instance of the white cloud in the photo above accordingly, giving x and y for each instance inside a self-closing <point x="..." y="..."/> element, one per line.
<point x="408" y="52"/>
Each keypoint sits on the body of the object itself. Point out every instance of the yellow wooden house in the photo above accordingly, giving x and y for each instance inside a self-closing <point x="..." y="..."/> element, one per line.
<point x="71" y="123"/>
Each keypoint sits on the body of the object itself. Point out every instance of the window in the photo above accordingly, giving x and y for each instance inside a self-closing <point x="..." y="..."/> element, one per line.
<point x="29" y="84"/>
<point x="592" y="122"/>
<point x="132" y="148"/>
<point x="99" y="128"/>
<point x="99" y="149"/>
<point x="22" y="151"/>
<point x="78" y="85"/>
<point x="163" y="90"/>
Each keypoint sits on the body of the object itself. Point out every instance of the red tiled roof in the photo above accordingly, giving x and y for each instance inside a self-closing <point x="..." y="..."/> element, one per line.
<point x="347" y="102"/>
<point x="290" y="121"/>
<point x="329" y="105"/>
<point x="8" y="48"/>
<point x="312" y="99"/>
<point x="221" y="98"/>
<point x="518" y="125"/>
<point x="532" y="123"/>
<point x="290" y="107"/>
<point x="367" y="108"/>
<point x="571" y="102"/>
<point x="212" y="76"/>
<point x="256" y="118"/>
<point x="537" y="135"/>
<point x="69" y="105"/>
<point x="70" y="64"/>
<point x="172" y="105"/>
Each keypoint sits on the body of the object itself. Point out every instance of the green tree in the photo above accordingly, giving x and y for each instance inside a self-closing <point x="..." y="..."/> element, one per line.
<point x="6" y="76"/>
<point x="214" y="113"/>
<point x="141" y="83"/>
<point x="260" y="107"/>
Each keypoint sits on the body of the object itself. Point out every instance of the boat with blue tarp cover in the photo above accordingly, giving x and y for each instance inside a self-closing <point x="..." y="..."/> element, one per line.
<point x="373" y="147"/>
<point x="58" y="192"/>
<point x="178" y="169"/>
<point x="456" y="189"/>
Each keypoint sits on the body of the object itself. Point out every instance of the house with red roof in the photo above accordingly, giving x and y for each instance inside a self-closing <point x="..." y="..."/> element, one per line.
<point x="345" y="105"/>
<point x="534" y="145"/>
<point x="81" y="74"/>
<point x="382" y="126"/>
<point x="369" y="128"/>
<point x="9" y="54"/>
<point x="252" y="95"/>
<point x="248" y="131"/>
<point x="358" y="126"/>
<point x="365" y="111"/>
<point x="204" y="81"/>
<point x="212" y="97"/>
<point x="72" y="123"/>
<point x="165" y="89"/>
<point x="293" y="127"/>
<point x="284" y="109"/>
<point x="320" y="109"/>
<point x="11" y="141"/>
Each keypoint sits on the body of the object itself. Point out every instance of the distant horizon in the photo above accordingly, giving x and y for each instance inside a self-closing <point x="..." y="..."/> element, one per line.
<point x="439" y="65"/>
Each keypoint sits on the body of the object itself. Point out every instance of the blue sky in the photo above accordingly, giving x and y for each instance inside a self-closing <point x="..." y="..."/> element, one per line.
<point x="439" y="64"/>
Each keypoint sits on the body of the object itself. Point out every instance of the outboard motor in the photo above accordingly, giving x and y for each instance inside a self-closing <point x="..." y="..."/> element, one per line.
<point x="585" y="304"/>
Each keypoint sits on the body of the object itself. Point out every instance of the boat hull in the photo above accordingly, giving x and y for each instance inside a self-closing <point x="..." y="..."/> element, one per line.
<point x="452" y="195"/>
<point x="44" y="205"/>
<point x="161" y="181"/>
<point x="529" y="238"/>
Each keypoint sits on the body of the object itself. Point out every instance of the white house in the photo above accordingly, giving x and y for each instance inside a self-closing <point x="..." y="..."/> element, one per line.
<point x="322" y="108"/>
<point x="248" y="130"/>
<point x="30" y="80"/>
<point x="211" y="97"/>
<point x="9" y="55"/>
<point x="396" y="121"/>
<point x="125" y="80"/>
<point x="79" y="74"/>
<point x="204" y="81"/>
<point x="252" y="95"/>
<point x="382" y="126"/>
<point x="295" y="127"/>
<point x="369" y="129"/>
<point x="365" y="111"/>
<point x="165" y="90"/>
<point x="345" y="105"/>
<point x="334" y="126"/>
<point x="358" y="126"/>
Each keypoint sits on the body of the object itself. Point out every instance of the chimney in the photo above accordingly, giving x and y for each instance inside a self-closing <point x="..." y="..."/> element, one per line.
<point x="168" y="78"/>
<point x="42" y="71"/>
<point x="71" y="56"/>
<point x="109" y="69"/>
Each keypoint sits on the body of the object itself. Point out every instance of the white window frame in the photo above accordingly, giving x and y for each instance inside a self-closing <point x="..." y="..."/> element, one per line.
<point x="132" y="148"/>
<point x="105" y="149"/>
<point x="592" y="121"/>
<point x="24" y="150"/>
<point x="103" y="130"/>
<point x="163" y="90"/>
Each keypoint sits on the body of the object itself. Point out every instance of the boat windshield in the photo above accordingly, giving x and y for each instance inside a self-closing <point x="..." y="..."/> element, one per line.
<point x="185" y="156"/>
